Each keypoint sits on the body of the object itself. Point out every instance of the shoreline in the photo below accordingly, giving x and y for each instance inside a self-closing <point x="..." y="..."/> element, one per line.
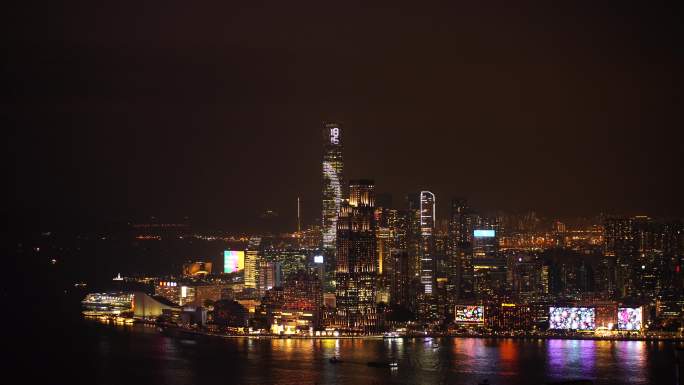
<point x="181" y="331"/>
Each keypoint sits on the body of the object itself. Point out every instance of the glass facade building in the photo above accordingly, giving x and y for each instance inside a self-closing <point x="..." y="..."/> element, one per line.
<point x="332" y="182"/>
<point x="356" y="265"/>
<point x="427" y="228"/>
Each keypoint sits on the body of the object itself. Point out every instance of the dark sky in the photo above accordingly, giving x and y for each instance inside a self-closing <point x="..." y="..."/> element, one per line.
<point x="119" y="109"/>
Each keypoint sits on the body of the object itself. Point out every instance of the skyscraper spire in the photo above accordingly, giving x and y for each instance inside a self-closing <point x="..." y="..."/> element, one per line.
<point x="299" y="217"/>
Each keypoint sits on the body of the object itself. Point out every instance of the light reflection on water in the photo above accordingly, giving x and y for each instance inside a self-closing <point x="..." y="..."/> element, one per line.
<point x="571" y="358"/>
<point x="444" y="361"/>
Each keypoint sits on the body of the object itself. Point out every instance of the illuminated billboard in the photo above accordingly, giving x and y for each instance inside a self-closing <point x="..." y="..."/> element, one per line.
<point x="484" y="233"/>
<point x="318" y="259"/>
<point x="572" y="318"/>
<point x="233" y="261"/>
<point x="629" y="318"/>
<point x="469" y="314"/>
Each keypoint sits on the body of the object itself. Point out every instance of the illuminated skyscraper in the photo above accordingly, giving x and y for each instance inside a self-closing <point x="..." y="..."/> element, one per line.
<point x="332" y="182"/>
<point x="356" y="265"/>
<point x="269" y="276"/>
<point x="489" y="267"/>
<point x="251" y="263"/>
<point x="427" y="228"/>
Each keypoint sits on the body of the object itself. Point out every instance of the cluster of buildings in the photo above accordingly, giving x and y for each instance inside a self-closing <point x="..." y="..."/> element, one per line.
<point x="372" y="266"/>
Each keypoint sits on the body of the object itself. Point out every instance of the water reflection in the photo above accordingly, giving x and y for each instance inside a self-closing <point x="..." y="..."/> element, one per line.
<point x="571" y="359"/>
<point x="446" y="361"/>
<point x="633" y="356"/>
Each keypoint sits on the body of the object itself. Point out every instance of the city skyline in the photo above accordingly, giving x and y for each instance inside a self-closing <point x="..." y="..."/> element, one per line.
<point x="328" y="192"/>
<point x="294" y="217"/>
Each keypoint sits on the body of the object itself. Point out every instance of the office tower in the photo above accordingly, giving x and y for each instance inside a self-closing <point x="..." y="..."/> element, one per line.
<point x="251" y="263"/>
<point x="383" y="243"/>
<point x="427" y="245"/>
<point x="269" y="276"/>
<point x="332" y="182"/>
<point x="385" y="236"/>
<point x="413" y="234"/>
<point x="489" y="268"/>
<point x="399" y="278"/>
<point x="525" y="275"/>
<point x="356" y="264"/>
<point x="672" y="257"/>
<point x="302" y="292"/>
<point x="290" y="259"/>
<point x="461" y="226"/>
<point x="621" y="242"/>
<point x="569" y="272"/>
<point x="647" y="255"/>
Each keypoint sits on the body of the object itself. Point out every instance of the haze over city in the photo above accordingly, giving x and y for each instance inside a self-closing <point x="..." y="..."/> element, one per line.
<point x="565" y="109"/>
<point x="315" y="193"/>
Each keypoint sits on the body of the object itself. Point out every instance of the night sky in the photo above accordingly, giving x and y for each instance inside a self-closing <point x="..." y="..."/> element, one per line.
<point x="120" y="110"/>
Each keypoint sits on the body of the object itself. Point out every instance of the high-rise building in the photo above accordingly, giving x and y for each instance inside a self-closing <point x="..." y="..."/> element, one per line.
<point x="413" y="236"/>
<point x="399" y="278"/>
<point x="356" y="264"/>
<point x="302" y="292"/>
<point x="427" y="246"/>
<point x="621" y="241"/>
<point x="461" y="226"/>
<point x="332" y="182"/>
<point x="269" y="276"/>
<point x="646" y="253"/>
<point x="291" y="259"/>
<point x="251" y="263"/>
<point x="489" y="268"/>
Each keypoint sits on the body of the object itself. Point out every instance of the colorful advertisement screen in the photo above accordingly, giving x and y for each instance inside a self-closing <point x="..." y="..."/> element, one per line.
<point x="484" y="233"/>
<point x="233" y="261"/>
<point x="629" y="318"/>
<point x="469" y="314"/>
<point x="572" y="318"/>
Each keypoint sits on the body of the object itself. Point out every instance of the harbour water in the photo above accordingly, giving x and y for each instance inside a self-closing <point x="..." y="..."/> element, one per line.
<point x="107" y="354"/>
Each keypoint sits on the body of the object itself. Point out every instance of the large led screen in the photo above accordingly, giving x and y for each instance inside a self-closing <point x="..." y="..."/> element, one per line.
<point x="572" y="318"/>
<point x="233" y="261"/>
<point x="469" y="314"/>
<point x="629" y="318"/>
<point x="484" y="233"/>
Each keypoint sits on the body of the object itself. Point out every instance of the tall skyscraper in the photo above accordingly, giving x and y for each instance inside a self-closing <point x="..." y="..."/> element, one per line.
<point x="413" y="235"/>
<point x="356" y="264"/>
<point x="461" y="226"/>
<point x="427" y="228"/>
<point x="332" y="182"/>
<point x="489" y="267"/>
<point x="251" y="263"/>
<point x="621" y="242"/>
